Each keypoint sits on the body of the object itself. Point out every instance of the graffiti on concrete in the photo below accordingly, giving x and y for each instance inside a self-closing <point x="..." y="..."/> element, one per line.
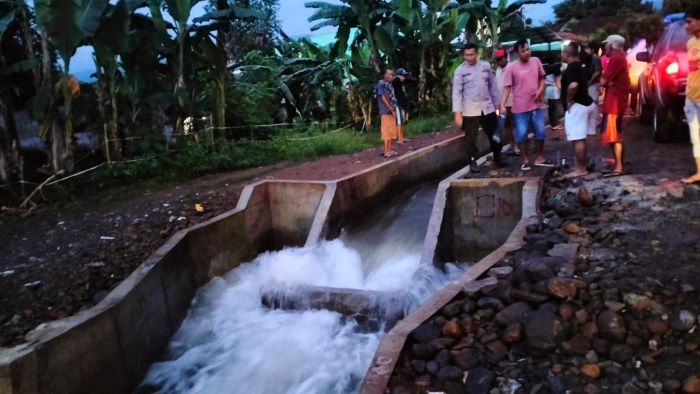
<point x="491" y="206"/>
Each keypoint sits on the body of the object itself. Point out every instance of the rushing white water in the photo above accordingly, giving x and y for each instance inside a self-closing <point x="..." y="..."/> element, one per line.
<point x="230" y="343"/>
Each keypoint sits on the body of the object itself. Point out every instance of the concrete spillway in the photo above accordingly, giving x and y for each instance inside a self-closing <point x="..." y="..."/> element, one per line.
<point x="307" y="343"/>
<point x="110" y="347"/>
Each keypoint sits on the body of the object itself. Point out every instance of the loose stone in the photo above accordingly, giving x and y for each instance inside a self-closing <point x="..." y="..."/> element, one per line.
<point x="591" y="371"/>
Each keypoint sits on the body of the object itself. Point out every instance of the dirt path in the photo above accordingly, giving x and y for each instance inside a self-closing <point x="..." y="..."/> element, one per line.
<point x="61" y="260"/>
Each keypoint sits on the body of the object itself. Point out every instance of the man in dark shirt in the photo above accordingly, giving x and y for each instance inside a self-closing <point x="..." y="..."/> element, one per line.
<point x="401" y="104"/>
<point x="595" y="69"/>
<point x="579" y="117"/>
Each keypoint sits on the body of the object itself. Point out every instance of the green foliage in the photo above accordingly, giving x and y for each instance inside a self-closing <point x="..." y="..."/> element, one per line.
<point x="199" y="158"/>
<point x="69" y="22"/>
<point x="254" y="26"/>
<point x="674" y="6"/>
<point x="649" y="27"/>
<point x="580" y="9"/>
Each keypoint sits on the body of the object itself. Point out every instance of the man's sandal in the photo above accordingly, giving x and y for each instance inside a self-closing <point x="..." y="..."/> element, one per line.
<point x="691" y="180"/>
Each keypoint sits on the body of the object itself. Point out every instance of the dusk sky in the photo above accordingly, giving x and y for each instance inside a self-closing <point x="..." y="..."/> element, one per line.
<point x="293" y="16"/>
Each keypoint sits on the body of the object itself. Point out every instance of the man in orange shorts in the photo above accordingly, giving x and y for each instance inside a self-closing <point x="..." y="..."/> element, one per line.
<point x="386" y="103"/>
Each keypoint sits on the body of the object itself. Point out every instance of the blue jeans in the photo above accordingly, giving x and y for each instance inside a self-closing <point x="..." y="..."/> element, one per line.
<point x="529" y="121"/>
<point x="692" y="114"/>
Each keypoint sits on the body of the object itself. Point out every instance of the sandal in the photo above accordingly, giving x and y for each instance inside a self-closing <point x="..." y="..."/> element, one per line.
<point x="545" y="163"/>
<point x="691" y="180"/>
<point x="525" y="167"/>
<point x="613" y="174"/>
<point x="390" y="154"/>
<point x="575" y="174"/>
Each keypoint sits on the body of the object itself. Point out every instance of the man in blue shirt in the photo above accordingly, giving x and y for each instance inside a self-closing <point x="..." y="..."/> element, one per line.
<point x="474" y="98"/>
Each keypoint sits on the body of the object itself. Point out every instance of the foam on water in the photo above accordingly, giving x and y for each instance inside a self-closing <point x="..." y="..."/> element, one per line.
<point x="230" y="343"/>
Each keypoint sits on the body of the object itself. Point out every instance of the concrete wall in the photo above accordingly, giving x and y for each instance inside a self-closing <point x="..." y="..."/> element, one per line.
<point x="527" y="191"/>
<point x="356" y="194"/>
<point x="480" y="214"/>
<point x="109" y="348"/>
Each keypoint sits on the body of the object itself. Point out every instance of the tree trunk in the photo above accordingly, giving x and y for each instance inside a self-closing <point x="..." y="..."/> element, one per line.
<point x="101" y="93"/>
<point x="422" y="78"/>
<point x="45" y="58"/>
<point x="180" y="85"/>
<point x="57" y="145"/>
<point x="50" y="128"/>
<point x="222" y="82"/>
<point x="28" y="37"/>
<point x="374" y="60"/>
<point x="67" y="157"/>
<point x="220" y="120"/>
<point x="113" y="125"/>
<point x="9" y="144"/>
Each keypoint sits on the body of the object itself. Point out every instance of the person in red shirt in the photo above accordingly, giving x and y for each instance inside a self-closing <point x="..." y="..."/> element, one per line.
<point x="616" y="82"/>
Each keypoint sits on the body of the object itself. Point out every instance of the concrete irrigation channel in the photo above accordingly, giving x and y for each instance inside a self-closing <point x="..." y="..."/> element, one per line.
<point x="110" y="347"/>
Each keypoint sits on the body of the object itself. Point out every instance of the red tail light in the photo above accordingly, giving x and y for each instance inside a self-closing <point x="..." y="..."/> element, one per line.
<point x="672" y="69"/>
<point x="669" y="64"/>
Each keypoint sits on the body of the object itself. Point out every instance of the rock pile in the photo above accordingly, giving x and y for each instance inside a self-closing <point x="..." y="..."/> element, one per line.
<point x="569" y="312"/>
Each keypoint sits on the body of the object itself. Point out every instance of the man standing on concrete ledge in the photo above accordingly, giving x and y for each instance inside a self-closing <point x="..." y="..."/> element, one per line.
<point x="401" y="104"/>
<point x="474" y="99"/>
<point x="524" y="78"/>
<point x="386" y="104"/>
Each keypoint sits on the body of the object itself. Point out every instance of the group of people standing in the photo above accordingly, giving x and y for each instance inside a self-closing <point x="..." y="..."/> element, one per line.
<point x="509" y="103"/>
<point x="516" y="92"/>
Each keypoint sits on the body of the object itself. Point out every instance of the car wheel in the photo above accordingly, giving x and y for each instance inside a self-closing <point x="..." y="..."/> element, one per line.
<point x="661" y="125"/>
<point x="646" y="113"/>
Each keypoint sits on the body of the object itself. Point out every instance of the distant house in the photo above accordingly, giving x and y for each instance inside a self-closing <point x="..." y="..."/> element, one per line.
<point x="543" y="40"/>
<point x="547" y="40"/>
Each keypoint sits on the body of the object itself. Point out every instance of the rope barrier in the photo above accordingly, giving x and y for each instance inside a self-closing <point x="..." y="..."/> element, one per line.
<point x="321" y="135"/>
<point x="53" y="182"/>
<point x="297" y="126"/>
<point x="76" y="174"/>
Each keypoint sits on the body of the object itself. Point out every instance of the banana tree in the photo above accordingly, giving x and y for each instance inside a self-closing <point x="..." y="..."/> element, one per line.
<point x="314" y="75"/>
<point x="110" y="41"/>
<point x="66" y="24"/>
<point x="366" y="15"/>
<point x="9" y="141"/>
<point x="436" y="23"/>
<point x="496" y="19"/>
<point x="211" y="52"/>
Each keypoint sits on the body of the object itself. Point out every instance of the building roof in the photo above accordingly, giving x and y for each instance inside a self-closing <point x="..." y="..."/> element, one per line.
<point x="537" y="35"/>
<point x="587" y="26"/>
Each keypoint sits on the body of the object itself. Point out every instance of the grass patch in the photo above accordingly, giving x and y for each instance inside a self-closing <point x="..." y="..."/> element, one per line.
<point x="197" y="159"/>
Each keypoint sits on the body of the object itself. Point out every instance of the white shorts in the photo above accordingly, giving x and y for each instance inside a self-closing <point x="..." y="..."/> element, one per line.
<point x="578" y="121"/>
<point x="399" y="116"/>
